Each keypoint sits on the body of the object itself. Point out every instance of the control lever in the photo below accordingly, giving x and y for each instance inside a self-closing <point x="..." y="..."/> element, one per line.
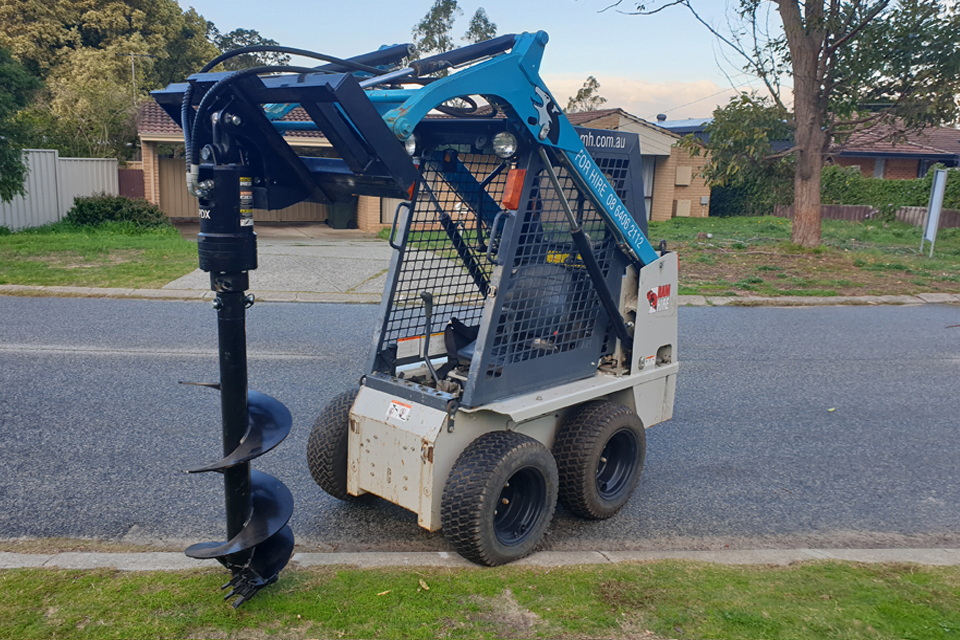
<point x="427" y="298"/>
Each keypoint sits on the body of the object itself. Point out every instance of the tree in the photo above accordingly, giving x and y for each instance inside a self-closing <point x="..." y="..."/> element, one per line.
<point x="246" y="38"/>
<point x="480" y="28"/>
<point x="89" y="108"/>
<point x="84" y="51"/>
<point x="588" y="98"/>
<point x="854" y="65"/>
<point x="432" y="34"/>
<point x="43" y="34"/>
<point x="16" y="88"/>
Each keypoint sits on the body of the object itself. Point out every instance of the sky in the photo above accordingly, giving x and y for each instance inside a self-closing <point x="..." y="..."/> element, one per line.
<point x="647" y="65"/>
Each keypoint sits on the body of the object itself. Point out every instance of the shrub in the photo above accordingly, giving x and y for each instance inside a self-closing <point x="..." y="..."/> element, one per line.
<point x="841" y="185"/>
<point x="5" y="231"/>
<point x="99" y="208"/>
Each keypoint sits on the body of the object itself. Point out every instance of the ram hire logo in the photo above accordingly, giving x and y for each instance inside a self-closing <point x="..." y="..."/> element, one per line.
<point x="659" y="298"/>
<point x="548" y="114"/>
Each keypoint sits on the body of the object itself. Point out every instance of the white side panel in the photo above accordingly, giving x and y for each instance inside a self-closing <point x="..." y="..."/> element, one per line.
<point x="41" y="205"/>
<point x="86" y="177"/>
<point x="655" y="342"/>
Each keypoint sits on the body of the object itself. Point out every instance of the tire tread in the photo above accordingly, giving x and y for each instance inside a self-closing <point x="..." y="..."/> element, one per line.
<point x="326" y="457"/>
<point x="460" y="517"/>
<point x="579" y="434"/>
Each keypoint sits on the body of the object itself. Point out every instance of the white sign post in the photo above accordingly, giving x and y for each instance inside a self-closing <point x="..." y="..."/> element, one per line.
<point x="933" y="209"/>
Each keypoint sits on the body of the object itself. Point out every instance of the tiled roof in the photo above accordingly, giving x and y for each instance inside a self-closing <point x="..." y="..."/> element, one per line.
<point x="582" y="117"/>
<point x="153" y="119"/>
<point x="939" y="141"/>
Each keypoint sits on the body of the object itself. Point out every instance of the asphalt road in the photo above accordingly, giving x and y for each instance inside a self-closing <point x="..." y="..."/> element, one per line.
<point x="94" y="427"/>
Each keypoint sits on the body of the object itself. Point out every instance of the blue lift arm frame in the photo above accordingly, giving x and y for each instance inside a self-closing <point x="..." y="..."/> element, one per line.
<point x="513" y="78"/>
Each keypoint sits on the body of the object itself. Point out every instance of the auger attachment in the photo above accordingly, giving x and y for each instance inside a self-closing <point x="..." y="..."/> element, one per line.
<point x="259" y="542"/>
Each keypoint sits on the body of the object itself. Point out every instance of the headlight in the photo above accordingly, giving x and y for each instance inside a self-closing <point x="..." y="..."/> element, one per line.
<point x="411" y="145"/>
<point x="504" y="144"/>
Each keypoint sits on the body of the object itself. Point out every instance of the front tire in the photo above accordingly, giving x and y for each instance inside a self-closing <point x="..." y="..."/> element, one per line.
<point x="327" y="446"/>
<point x="499" y="498"/>
<point x="600" y="449"/>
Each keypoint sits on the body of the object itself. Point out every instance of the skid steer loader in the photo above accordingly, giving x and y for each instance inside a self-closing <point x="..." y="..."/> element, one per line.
<point x="527" y="334"/>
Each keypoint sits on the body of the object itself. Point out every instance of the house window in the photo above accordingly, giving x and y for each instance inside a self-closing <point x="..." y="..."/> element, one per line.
<point x="878" y="167"/>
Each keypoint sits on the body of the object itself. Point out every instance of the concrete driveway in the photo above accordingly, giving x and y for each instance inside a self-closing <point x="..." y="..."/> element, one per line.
<point x="309" y="262"/>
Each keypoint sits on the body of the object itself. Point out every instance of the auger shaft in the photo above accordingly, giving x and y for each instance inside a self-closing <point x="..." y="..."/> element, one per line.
<point x="231" y="324"/>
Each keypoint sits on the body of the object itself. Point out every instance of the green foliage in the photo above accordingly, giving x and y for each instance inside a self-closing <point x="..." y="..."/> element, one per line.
<point x="804" y="601"/>
<point x="44" y="34"/>
<point x="480" y="28"/>
<point x="432" y="34"/>
<point x="846" y="185"/>
<point x="83" y="49"/>
<point x="246" y="38"/>
<point x="588" y="98"/>
<point x="98" y="209"/>
<point x="5" y="231"/>
<point x="747" y="174"/>
<point x="16" y="88"/>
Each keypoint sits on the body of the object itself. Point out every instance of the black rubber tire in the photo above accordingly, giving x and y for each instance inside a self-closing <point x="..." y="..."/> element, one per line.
<point x="472" y="512"/>
<point x="600" y="449"/>
<point x="327" y="446"/>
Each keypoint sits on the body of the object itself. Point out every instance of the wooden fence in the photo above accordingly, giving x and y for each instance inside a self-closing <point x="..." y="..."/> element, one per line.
<point x="176" y="202"/>
<point x="850" y="213"/>
<point x="131" y="182"/>
<point x="949" y="218"/>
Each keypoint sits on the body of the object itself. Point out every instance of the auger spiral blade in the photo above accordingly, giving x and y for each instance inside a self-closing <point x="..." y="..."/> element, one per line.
<point x="268" y="423"/>
<point x="271" y="510"/>
<point x="262" y="568"/>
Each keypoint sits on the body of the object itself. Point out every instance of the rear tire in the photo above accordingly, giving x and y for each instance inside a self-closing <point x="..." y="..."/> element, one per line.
<point x="499" y="498"/>
<point x="600" y="449"/>
<point x="327" y="446"/>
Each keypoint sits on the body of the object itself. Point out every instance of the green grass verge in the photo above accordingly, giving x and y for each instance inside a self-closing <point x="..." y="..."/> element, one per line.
<point x="109" y="255"/>
<point x="672" y="599"/>
<point x="754" y="256"/>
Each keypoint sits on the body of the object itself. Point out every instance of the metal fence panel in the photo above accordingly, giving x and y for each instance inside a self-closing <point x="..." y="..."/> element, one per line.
<point x="131" y="183"/>
<point x="85" y="177"/>
<point x="51" y="185"/>
<point x="41" y="205"/>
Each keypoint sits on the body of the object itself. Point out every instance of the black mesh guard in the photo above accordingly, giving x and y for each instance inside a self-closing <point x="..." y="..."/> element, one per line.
<point x="544" y="325"/>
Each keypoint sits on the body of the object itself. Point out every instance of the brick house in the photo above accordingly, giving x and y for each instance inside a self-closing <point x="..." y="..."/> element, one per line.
<point x="671" y="177"/>
<point x="903" y="160"/>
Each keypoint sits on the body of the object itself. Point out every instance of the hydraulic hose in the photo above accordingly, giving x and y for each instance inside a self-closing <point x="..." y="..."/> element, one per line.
<point x="188" y="118"/>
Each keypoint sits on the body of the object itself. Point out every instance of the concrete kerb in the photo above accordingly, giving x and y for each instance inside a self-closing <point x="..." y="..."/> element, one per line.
<point x="172" y="561"/>
<point x="374" y="298"/>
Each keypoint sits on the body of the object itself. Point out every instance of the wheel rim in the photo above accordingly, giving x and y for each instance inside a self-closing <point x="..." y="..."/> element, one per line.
<point x="617" y="463"/>
<point x="520" y="506"/>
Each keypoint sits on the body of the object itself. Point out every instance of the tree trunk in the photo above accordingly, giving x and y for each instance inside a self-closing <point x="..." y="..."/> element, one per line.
<point x="810" y="141"/>
<point x="805" y="37"/>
